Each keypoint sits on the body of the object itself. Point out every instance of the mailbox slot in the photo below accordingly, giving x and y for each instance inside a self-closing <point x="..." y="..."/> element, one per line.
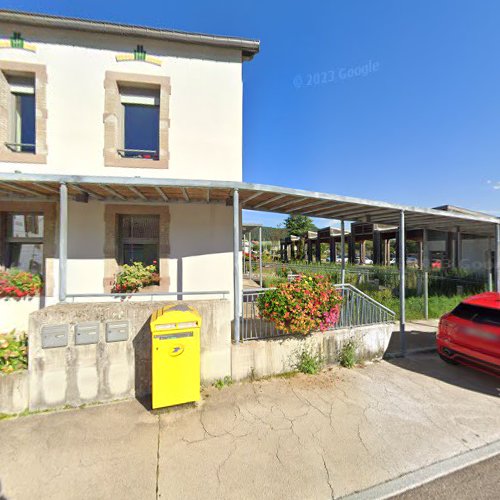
<point x="87" y="333"/>
<point x="117" y="331"/>
<point x="54" y="336"/>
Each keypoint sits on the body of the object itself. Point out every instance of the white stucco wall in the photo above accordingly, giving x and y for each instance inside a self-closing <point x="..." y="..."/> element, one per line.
<point x="200" y="257"/>
<point x="85" y="247"/>
<point x="205" y="138"/>
<point x="201" y="248"/>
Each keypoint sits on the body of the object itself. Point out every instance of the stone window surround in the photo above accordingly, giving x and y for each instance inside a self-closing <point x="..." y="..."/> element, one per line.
<point x="113" y="122"/>
<point x="40" y="75"/>
<point x="49" y="212"/>
<point x="111" y="241"/>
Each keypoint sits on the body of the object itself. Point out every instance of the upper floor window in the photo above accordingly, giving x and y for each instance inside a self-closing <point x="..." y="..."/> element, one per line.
<point x="136" y="120"/>
<point x="23" y="112"/>
<point x="22" y="125"/>
<point x="141" y="120"/>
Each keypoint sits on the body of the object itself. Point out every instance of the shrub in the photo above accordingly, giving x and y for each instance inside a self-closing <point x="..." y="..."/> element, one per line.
<point x="347" y="355"/>
<point x="13" y="352"/>
<point x="135" y="276"/>
<point x="16" y="283"/>
<point x="223" y="382"/>
<point x="304" y="305"/>
<point x="308" y="362"/>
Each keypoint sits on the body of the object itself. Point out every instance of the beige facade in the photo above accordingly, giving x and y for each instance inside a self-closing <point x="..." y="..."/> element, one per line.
<point x="79" y="77"/>
<point x="201" y="125"/>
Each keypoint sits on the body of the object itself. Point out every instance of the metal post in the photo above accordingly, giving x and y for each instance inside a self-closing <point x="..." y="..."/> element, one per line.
<point x="497" y="257"/>
<point x="458" y="248"/>
<point x="250" y="255"/>
<point x="333" y="256"/>
<point x="402" y="268"/>
<point x="342" y="251"/>
<point x="244" y="250"/>
<point x="426" y="295"/>
<point x="425" y="249"/>
<point x="236" y="264"/>
<point x="260" y="256"/>
<point x="63" y="240"/>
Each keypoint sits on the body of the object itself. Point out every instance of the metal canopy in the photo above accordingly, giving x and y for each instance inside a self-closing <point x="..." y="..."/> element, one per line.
<point x="258" y="197"/>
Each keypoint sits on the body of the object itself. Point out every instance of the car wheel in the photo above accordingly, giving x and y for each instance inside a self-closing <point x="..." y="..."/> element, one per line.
<point x="448" y="360"/>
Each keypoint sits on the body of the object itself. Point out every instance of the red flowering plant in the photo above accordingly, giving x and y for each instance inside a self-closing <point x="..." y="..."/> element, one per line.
<point x="133" y="277"/>
<point x="18" y="284"/>
<point x="304" y="305"/>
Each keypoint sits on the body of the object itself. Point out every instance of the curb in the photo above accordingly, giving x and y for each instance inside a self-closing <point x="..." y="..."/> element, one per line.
<point x="427" y="474"/>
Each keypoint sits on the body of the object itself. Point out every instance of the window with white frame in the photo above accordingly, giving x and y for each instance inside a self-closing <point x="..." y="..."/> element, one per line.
<point x="139" y="239"/>
<point x="24" y="242"/>
<point x="22" y="126"/>
<point x="140" y="122"/>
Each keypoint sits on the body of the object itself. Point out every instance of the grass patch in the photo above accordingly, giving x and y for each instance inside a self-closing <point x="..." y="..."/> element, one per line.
<point x="223" y="382"/>
<point x="347" y="355"/>
<point x="306" y="361"/>
<point x="438" y="305"/>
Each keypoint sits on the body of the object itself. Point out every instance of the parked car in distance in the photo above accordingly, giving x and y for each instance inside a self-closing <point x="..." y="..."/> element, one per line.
<point x="411" y="261"/>
<point x="470" y="334"/>
<point x="436" y="264"/>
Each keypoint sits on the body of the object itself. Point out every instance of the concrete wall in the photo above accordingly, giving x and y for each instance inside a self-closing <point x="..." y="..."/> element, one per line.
<point x="205" y="132"/>
<point x="263" y="358"/>
<point x="14" y="392"/>
<point x="79" y="374"/>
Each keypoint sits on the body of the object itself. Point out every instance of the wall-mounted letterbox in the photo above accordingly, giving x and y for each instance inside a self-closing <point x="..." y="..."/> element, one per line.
<point x="117" y="331"/>
<point x="54" y="336"/>
<point x="87" y="333"/>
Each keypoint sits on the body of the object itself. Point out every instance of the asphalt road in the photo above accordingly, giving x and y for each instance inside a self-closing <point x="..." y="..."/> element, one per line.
<point x="479" y="482"/>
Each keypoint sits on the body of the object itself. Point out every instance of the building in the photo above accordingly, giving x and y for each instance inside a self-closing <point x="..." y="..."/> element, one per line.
<point x="122" y="143"/>
<point x="91" y="98"/>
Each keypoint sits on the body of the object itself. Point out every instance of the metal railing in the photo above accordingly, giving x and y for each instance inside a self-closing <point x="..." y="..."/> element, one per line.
<point x="141" y="297"/>
<point x="150" y="154"/>
<point x="357" y="309"/>
<point x="19" y="147"/>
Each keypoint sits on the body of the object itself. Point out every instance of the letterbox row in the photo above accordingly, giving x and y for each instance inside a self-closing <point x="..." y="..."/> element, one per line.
<point x="85" y="333"/>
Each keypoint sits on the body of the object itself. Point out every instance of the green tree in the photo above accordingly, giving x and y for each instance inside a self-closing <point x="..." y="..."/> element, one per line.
<point x="299" y="224"/>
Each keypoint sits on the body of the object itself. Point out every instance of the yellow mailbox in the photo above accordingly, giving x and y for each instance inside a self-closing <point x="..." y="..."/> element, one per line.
<point x="175" y="355"/>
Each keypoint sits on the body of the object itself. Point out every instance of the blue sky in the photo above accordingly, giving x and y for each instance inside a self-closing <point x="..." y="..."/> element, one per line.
<point x="388" y="99"/>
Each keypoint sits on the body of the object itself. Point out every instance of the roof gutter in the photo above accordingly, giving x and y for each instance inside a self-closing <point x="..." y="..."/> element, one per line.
<point x="248" y="47"/>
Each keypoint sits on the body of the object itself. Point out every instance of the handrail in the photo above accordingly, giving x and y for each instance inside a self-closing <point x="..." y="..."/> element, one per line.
<point x="152" y="294"/>
<point x="337" y="285"/>
<point x="364" y="295"/>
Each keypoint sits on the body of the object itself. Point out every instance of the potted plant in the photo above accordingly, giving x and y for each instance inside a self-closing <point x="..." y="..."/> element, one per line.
<point x="136" y="276"/>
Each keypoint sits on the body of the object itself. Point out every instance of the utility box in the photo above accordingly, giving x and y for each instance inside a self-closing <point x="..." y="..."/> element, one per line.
<point x="175" y="355"/>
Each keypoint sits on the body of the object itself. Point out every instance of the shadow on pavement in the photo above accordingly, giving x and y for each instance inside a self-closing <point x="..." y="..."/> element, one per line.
<point x="415" y="340"/>
<point x="431" y="365"/>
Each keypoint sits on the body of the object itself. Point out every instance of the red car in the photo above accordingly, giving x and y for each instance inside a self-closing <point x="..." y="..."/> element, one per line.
<point x="470" y="334"/>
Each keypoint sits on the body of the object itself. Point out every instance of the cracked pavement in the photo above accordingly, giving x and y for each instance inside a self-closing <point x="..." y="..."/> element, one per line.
<point x="321" y="436"/>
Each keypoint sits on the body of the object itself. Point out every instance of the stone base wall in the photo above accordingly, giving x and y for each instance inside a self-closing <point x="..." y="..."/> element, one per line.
<point x="105" y="371"/>
<point x="14" y="393"/>
<point x="261" y="358"/>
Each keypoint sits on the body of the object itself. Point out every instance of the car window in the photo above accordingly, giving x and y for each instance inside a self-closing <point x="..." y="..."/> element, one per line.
<point x="478" y="314"/>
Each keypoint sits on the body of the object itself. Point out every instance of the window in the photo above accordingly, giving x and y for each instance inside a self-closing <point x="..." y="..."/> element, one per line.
<point x="141" y="123"/>
<point x="22" y="120"/>
<point x="477" y="314"/>
<point x="139" y="239"/>
<point x="25" y="242"/>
